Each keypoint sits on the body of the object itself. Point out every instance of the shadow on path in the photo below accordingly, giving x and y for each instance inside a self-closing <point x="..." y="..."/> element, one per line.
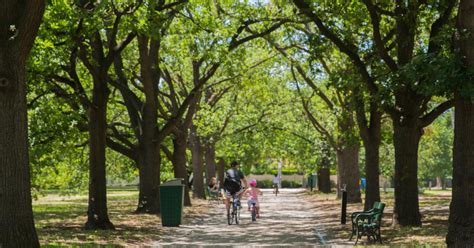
<point x="286" y="220"/>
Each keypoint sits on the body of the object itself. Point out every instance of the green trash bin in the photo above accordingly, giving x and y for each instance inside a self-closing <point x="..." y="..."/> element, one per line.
<point x="171" y="200"/>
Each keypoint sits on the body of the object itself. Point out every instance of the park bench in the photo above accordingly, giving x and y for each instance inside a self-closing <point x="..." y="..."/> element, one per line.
<point x="367" y="223"/>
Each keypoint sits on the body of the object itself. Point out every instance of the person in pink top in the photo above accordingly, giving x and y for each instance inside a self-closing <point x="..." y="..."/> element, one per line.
<point x="252" y="194"/>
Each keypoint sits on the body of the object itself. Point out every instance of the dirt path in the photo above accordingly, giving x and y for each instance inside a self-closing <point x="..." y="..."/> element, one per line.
<point x="286" y="220"/>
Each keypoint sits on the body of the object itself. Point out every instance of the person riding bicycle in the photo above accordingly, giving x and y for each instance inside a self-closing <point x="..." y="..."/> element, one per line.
<point x="276" y="182"/>
<point x="233" y="183"/>
<point x="252" y="195"/>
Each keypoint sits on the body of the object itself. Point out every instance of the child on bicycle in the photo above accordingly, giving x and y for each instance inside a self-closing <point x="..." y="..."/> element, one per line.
<point x="252" y="193"/>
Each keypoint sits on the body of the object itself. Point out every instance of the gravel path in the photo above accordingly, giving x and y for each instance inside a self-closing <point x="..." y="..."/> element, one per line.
<point x="286" y="220"/>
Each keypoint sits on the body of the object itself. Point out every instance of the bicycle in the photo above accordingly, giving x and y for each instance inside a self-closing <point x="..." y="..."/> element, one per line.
<point x="254" y="212"/>
<point x="275" y="189"/>
<point x="235" y="215"/>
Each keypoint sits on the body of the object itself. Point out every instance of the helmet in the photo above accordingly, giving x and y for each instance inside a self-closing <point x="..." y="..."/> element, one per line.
<point x="253" y="183"/>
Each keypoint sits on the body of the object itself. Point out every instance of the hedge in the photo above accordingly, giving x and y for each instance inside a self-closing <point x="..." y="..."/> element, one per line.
<point x="266" y="184"/>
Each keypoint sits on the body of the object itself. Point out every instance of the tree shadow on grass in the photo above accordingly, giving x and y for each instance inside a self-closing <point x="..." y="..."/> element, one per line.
<point x="434" y="209"/>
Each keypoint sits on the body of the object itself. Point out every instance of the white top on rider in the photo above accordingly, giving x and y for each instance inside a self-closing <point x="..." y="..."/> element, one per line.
<point x="276" y="180"/>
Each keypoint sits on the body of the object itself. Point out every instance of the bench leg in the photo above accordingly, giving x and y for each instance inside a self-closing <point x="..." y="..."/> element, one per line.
<point x="358" y="234"/>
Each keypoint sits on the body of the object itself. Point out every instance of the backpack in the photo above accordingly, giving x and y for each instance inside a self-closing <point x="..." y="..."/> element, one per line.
<point x="231" y="183"/>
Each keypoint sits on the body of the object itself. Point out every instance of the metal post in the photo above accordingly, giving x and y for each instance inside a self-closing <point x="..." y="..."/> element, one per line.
<point x="344" y="204"/>
<point x="280" y="165"/>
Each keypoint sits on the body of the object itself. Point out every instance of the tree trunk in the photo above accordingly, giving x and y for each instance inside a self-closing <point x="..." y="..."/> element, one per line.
<point x="324" y="175"/>
<point x="149" y="162"/>
<point x="149" y="176"/>
<point x="372" y="172"/>
<point x="149" y="195"/>
<point x="406" y="139"/>
<point x="16" y="225"/>
<point x="97" y="216"/>
<point x="210" y="156"/>
<point x="439" y="182"/>
<point x="324" y="180"/>
<point x="370" y="132"/>
<point x="461" y="211"/>
<point x="461" y="215"/>
<point x="348" y="173"/>
<point x="221" y="171"/>
<point x="198" y="177"/>
<point x="180" y="143"/>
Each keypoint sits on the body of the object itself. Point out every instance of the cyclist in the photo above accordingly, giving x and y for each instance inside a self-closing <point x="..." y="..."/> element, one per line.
<point x="252" y="194"/>
<point x="233" y="183"/>
<point x="276" y="181"/>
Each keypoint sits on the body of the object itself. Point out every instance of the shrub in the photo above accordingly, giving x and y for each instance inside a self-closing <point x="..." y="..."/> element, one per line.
<point x="267" y="184"/>
<point x="258" y="170"/>
<point x="291" y="184"/>
<point x="264" y="184"/>
<point x="285" y="171"/>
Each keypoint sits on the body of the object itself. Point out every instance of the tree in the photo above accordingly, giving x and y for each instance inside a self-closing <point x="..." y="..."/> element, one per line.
<point x="342" y="138"/>
<point x="364" y="102"/>
<point x="406" y="98"/>
<point x="143" y="104"/>
<point x="97" y="53"/>
<point x="461" y="214"/>
<point x="436" y="150"/>
<point x="20" y="22"/>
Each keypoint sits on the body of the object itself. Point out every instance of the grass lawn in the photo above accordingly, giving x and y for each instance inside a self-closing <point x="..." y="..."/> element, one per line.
<point x="434" y="208"/>
<point x="60" y="219"/>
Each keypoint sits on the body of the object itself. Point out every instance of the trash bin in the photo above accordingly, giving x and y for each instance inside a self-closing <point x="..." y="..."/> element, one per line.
<point x="171" y="200"/>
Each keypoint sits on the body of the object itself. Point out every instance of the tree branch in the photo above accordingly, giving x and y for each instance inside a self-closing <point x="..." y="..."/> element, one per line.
<point x="349" y="49"/>
<point x="434" y="113"/>
<point x="235" y="42"/>
<point x="126" y="151"/>
<point x="383" y="52"/>
<point x="438" y="24"/>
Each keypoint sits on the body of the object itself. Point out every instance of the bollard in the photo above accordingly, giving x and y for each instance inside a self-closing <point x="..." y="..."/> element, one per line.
<point x="344" y="205"/>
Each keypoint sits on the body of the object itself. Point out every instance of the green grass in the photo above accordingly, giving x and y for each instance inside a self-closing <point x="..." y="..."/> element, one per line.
<point x="434" y="207"/>
<point x="59" y="220"/>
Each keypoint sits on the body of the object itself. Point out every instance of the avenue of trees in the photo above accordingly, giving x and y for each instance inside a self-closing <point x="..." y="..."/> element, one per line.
<point x="94" y="92"/>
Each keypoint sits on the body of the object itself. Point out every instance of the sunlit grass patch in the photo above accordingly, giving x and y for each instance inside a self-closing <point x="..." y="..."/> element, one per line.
<point x="434" y="208"/>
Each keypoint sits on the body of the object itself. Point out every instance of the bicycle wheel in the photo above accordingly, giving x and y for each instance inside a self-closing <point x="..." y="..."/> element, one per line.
<point x="236" y="209"/>
<point x="230" y="217"/>
<point x="254" y="213"/>
<point x="237" y="215"/>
